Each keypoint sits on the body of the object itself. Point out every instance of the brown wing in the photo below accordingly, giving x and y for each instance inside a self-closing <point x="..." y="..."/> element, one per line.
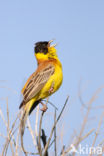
<point x="37" y="82"/>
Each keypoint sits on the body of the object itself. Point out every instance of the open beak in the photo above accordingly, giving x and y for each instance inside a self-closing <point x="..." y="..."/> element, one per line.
<point x="53" y="45"/>
<point x="51" y="41"/>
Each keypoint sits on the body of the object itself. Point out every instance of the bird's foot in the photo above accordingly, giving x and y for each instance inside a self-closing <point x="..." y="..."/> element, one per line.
<point x="51" y="90"/>
<point x="44" y="108"/>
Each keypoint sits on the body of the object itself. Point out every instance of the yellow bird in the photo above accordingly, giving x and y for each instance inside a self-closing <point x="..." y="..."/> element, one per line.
<point x="44" y="81"/>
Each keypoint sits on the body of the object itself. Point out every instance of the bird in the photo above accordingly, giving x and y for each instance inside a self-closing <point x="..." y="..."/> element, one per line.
<point x="45" y="81"/>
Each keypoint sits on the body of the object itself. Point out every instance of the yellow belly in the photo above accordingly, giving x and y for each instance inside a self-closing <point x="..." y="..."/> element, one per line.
<point x="55" y="80"/>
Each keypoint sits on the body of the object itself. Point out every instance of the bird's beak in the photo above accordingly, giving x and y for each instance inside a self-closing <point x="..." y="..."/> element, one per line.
<point x="53" y="45"/>
<point x="51" y="41"/>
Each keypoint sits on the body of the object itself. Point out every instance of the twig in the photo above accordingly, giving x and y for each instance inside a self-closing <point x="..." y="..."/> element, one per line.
<point x="55" y="149"/>
<point x="81" y="139"/>
<point x="22" y="144"/>
<point x="2" y="117"/>
<point x="50" y="104"/>
<point x="8" y="123"/>
<point x="51" y="143"/>
<point x="31" y="132"/>
<point x="17" y="143"/>
<point x="26" y="152"/>
<point x="36" y="123"/>
<point x="5" y="149"/>
<point x="86" y="116"/>
<point x="7" y="112"/>
<point x="83" y="103"/>
<point x="98" y="129"/>
<point x="10" y="137"/>
<point x="63" y="151"/>
<point x="39" y="141"/>
<point x="46" y="147"/>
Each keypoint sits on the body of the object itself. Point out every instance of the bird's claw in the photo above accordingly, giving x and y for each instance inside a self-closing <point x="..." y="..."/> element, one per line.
<point x="51" y="90"/>
<point x="44" y="108"/>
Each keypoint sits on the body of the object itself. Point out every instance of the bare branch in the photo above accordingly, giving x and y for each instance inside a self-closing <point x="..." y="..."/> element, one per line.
<point x="97" y="131"/>
<point x="10" y="136"/>
<point x="55" y="148"/>
<point x="17" y="143"/>
<point x="36" y="123"/>
<point x="50" y="104"/>
<point x="8" y="123"/>
<point x="39" y="141"/>
<point x="31" y="132"/>
<point x="46" y="147"/>
<point x="81" y="139"/>
<point x="87" y="114"/>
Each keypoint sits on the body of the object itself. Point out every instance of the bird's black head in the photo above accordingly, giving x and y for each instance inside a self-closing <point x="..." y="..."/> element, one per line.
<point x="41" y="47"/>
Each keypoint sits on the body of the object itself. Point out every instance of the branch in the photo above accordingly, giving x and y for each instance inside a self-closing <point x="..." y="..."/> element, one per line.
<point x="46" y="147"/>
<point x="31" y="132"/>
<point x="93" y="98"/>
<point x="55" y="149"/>
<point x="39" y="141"/>
<point x="10" y="133"/>
<point x="81" y="139"/>
<point x="50" y="103"/>
<point x="98" y="129"/>
<point x="36" y="123"/>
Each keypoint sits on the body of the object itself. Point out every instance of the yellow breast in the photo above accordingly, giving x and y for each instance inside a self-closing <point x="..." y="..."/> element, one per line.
<point x="55" y="80"/>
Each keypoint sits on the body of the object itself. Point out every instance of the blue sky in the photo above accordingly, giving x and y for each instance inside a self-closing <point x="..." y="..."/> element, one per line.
<point x="78" y="28"/>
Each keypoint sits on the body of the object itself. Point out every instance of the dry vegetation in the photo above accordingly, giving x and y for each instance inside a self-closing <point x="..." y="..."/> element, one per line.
<point x="14" y="142"/>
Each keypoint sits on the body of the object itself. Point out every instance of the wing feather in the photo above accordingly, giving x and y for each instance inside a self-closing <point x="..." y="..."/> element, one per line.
<point x="37" y="82"/>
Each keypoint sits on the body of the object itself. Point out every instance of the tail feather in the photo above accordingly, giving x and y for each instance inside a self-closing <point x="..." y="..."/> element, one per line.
<point x="24" y="116"/>
<point x="22" y="126"/>
<point x="23" y="122"/>
<point x="27" y="109"/>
